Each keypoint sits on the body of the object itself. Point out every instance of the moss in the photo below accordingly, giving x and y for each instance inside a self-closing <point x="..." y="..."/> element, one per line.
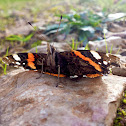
<point x="124" y="101"/>
<point x="125" y="95"/>
<point x="121" y="112"/>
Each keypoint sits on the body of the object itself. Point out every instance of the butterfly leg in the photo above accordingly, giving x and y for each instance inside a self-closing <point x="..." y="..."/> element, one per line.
<point x="41" y="71"/>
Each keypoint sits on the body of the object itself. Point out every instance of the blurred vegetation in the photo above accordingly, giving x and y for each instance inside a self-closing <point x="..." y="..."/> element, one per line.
<point x="108" y="6"/>
<point x="20" y="38"/>
<point x="4" y="66"/>
<point x="84" y="24"/>
<point x="7" y="7"/>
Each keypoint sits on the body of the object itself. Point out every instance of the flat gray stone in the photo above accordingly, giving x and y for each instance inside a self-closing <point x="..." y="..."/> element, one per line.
<point x="60" y="47"/>
<point x="25" y="100"/>
<point x="114" y="43"/>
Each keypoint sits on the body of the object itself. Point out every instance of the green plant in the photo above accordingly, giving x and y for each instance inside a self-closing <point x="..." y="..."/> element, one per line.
<point x="4" y="67"/>
<point x="124" y="101"/>
<point x="121" y="112"/>
<point x="84" y="24"/>
<point x="36" y="50"/>
<point x="111" y="6"/>
<point x="107" y="45"/>
<point x="36" y="44"/>
<point x="87" y="47"/>
<point x="75" y="44"/>
<point x="19" y="38"/>
<point x="111" y="49"/>
<point x="118" y="50"/>
<point x="96" y="49"/>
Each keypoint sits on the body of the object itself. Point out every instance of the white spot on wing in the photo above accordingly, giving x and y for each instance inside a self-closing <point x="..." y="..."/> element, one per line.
<point x="95" y="54"/>
<point x="27" y="70"/>
<point x="16" y="57"/>
<point x="7" y="58"/>
<point x="105" y="62"/>
<point x="17" y="63"/>
<point x="23" y="63"/>
<point x="35" y="70"/>
<point x="84" y="76"/>
<point x="16" y="66"/>
<point x="75" y="76"/>
<point x="107" y="54"/>
<point x="99" y="62"/>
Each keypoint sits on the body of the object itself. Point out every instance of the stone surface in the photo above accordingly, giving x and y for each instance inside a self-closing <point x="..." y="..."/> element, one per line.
<point x="120" y="71"/>
<point x="23" y="30"/>
<point x="25" y="100"/>
<point x="114" y="42"/>
<point x="60" y="47"/>
<point x="119" y="34"/>
<point x="115" y="27"/>
<point x="67" y="38"/>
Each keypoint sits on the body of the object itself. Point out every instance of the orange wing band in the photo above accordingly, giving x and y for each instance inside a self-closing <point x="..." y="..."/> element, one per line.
<point x="30" y="61"/>
<point x="95" y="65"/>
<point x="61" y="75"/>
<point x="93" y="75"/>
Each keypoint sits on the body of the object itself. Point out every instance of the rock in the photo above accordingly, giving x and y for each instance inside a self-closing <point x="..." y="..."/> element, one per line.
<point x="42" y="37"/>
<point x="123" y="53"/>
<point x="114" y="27"/>
<point x="60" y="47"/>
<point x="67" y="38"/>
<point x="23" y="30"/>
<point x="2" y="34"/>
<point x="119" y="71"/>
<point x="25" y="100"/>
<point x="122" y="23"/>
<point x="61" y="37"/>
<point x="119" y="34"/>
<point x="117" y="42"/>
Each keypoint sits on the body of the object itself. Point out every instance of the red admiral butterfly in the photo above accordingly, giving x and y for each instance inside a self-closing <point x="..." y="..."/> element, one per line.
<point x="65" y="64"/>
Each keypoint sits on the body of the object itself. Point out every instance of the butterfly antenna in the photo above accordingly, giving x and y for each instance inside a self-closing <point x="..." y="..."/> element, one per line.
<point x="37" y="31"/>
<point x="59" y="25"/>
<point x="40" y="33"/>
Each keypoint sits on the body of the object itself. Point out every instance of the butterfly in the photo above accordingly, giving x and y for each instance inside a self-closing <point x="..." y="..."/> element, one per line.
<point x="72" y="63"/>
